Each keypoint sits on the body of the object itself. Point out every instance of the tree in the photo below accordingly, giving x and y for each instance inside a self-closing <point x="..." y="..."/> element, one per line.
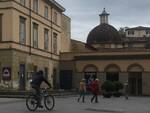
<point x="122" y="31"/>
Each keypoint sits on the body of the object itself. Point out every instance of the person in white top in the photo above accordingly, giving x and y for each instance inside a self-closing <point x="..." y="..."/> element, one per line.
<point x="126" y="89"/>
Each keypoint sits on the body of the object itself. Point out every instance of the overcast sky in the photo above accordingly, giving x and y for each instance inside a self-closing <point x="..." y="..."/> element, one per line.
<point x="84" y="14"/>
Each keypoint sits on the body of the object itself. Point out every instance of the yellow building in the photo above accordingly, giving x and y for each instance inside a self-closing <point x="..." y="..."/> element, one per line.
<point x="35" y="35"/>
<point x="31" y="32"/>
<point x="108" y="56"/>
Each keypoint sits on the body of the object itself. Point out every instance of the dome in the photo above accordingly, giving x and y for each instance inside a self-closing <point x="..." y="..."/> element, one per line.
<point x="103" y="33"/>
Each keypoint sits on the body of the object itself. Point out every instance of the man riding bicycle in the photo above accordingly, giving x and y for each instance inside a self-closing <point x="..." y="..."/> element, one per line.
<point x="36" y="82"/>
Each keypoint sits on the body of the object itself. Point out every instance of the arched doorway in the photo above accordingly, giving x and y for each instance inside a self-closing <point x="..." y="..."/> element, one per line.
<point x="135" y="79"/>
<point x="112" y="72"/>
<point x="90" y="73"/>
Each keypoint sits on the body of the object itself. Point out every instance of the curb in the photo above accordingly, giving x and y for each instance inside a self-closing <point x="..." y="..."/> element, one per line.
<point x="25" y="96"/>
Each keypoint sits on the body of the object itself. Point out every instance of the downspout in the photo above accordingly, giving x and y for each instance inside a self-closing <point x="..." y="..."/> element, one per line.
<point x="51" y="32"/>
<point x="30" y="26"/>
<point x="51" y="45"/>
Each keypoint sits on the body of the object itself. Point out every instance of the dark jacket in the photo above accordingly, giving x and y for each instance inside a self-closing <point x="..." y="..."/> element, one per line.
<point x="37" y="79"/>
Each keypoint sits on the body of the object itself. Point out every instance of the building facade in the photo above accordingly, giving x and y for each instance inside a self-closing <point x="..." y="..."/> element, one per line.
<point x="30" y="40"/>
<point x="139" y="31"/>
<point x="107" y="56"/>
<point x="35" y="35"/>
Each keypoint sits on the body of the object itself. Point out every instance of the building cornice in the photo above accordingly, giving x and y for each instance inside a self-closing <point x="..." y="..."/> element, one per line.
<point x="28" y="46"/>
<point x="53" y="2"/>
<point x="56" y="4"/>
<point x="113" y="57"/>
<point x="14" y="49"/>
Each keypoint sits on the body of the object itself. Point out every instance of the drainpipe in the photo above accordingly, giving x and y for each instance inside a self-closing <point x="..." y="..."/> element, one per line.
<point x="30" y="10"/>
<point x="51" y="32"/>
<point x="52" y="41"/>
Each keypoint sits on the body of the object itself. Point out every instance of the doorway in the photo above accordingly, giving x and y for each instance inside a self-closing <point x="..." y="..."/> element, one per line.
<point x="21" y="77"/>
<point x="89" y="75"/>
<point x="135" y="83"/>
<point x="66" y="79"/>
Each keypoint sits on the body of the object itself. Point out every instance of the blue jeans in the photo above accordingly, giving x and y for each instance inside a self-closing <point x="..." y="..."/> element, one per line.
<point x="82" y="95"/>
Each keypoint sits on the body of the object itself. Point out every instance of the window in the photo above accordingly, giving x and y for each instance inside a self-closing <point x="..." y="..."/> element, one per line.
<point x="35" y="35"/>
<point x="46" y="72"/>
<point x="46" y="39"/>
<point x="131" y="32"/>
<point x="55" y="17"/>
<point x="112" y="76"/>
<point x="147" y="31"/>
<point x="1" y="27"/>
<point x="35" y="5"/>
<point x="46" y="12"/>
<point x="55" y="42"/>
<point x="22" y="30"/>
<point x="22" y="2"/>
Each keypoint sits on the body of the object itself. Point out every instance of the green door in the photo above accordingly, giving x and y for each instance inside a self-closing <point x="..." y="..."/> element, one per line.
<point x="66" y="79"/>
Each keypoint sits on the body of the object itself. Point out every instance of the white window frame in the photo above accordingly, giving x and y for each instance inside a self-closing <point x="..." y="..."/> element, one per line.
<point x="22" y="30"/>
<point x="35" y="6"/>
<point x="23" y="2"/>
<point x="55" y="17"/>
<point x="46" y="12"/>
<point x="46" y="39"/>
<point x="35" y="35"/>
<point x="55" y="38"/>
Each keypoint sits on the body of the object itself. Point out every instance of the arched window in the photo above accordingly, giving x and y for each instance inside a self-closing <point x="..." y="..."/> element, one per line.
<point x="112" y="72"/>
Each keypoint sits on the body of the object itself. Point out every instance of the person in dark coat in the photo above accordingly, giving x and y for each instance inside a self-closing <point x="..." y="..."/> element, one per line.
<point x="36" y="82"/>
<point x="95" y="90"/>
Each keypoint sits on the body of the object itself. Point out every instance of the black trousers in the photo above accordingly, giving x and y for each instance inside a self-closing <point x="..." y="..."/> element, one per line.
<point x="37" y="93"/>
<point x="94" y="97"/>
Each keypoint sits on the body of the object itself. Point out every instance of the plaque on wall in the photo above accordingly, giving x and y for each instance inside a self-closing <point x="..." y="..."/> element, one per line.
<point x="6" y="73"/>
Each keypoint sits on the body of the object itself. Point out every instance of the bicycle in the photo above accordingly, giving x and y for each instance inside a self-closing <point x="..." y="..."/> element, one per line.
<point x="32" y="102"/>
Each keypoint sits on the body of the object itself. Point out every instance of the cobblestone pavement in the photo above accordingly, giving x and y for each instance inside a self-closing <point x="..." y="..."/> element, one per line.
<point x="70" y="105"/>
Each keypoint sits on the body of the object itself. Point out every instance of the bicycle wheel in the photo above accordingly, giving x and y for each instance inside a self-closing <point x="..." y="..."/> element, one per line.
<point x="49" y="102"/>
<point x="31" y="103"/>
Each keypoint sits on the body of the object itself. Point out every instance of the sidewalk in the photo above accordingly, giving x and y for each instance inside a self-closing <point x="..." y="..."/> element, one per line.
<point x="24" y="94"/>
<point x="9" y="100"/>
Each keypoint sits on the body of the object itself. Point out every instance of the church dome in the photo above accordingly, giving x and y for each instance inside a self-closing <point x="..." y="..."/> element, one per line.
<point x="103" y="33"/>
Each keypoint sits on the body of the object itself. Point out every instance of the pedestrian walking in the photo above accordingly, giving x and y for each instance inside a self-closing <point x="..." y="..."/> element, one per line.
<point x="126" y="89"/>
<point x="88" y="86"/>
<point x="95" y="90"/>
<point x="82" y="90"/>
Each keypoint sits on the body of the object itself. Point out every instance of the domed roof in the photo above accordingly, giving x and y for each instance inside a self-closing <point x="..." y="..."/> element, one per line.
<point x="103" y="33"/>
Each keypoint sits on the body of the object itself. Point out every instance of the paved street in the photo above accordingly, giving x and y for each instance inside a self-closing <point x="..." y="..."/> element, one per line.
<point x="70" y="105"/>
